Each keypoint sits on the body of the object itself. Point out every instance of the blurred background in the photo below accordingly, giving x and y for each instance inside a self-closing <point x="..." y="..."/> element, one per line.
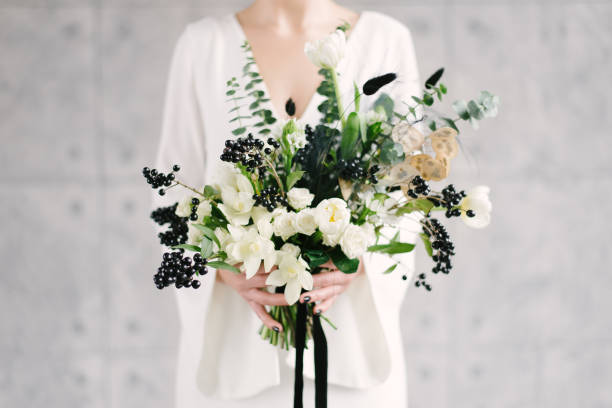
<point x="524" y="320"/>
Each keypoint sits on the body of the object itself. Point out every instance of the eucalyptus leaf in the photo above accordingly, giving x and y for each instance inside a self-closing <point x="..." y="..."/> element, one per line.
<point x="460" y="106"/>
<point x="208" y="233"/>
<point x="239" y="131"/>
<point x="207" y="247"/>
<point x="386" y="103"/>
<point x="392" y="248"/>
<point x="187" y="247"/>
<point x="391" y="153"/>
<point x="390" y="269"/>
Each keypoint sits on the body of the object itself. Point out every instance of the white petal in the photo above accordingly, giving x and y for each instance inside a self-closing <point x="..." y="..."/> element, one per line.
<point x="251" y="265"/>
<point x="293" y="291"/>
<point x="306" y="280"/>
<point x="276" y="278"/>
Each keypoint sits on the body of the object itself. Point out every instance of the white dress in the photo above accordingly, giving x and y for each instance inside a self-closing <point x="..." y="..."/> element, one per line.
<point x="222" y="361"/>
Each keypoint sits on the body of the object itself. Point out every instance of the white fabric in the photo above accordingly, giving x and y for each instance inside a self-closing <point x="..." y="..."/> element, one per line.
<point x="222" y="361"/>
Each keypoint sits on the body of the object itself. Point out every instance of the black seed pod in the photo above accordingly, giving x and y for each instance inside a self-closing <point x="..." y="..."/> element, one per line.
<point x="290" y="107"/>
<point x="374" y="84"/>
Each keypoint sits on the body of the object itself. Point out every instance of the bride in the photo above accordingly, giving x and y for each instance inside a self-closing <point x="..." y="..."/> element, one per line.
<point x="222" y="361"/>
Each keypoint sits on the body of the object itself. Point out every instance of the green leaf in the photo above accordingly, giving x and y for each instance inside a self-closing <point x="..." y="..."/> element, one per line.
<point x="423" y="204"/>
<point x="343" y="263"/>
<point x="390" y="269"/>
<point x="350" y="134"/>
<point x="428" y="99"/>
<point x="293" y="178"/>
<point x="392" y="248"/>
<point x="187" y="247"/>
<point x="417" y="100"/>
<point x="357" y="96"/>
<point x="239" y="131"/>
<point x="223" y="265"/>
<point x="432" y="125"/>
<point x="207" y="247"/>
<point x="427" y="243"/>
<point x="315" y="257"/>
<point x="230" y="92"/>
<point x="210" y="192"/>
<point x="254" y="105"/>
<point x="391" y="152"/>
<point x="475" y="111"/>
<point x="386" y="103"/>
<point x="460" y="107"/>
<point x="450" y="123"/>
<point x="443" y="88"/>
<point x="209" y="233"/>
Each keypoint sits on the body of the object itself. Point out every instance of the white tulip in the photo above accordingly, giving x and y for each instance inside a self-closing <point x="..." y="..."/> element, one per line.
<point x="292" y="272"/>
<point x="332" y="217"/>
<point x="328" y="51"/>
<point x="305" y="222"/>
<point x="477" y="200"/>
<point x="299" y="198"/>
<point x="250" y="248"/>
<point x="284" y="225"/>
<point x="356" y="240"/>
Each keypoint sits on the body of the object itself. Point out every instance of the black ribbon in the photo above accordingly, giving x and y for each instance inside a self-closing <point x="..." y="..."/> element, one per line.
<point x="320" y="358"/>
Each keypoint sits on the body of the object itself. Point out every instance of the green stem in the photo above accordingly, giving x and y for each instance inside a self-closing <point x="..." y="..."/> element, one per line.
<point x="338" y="97"/>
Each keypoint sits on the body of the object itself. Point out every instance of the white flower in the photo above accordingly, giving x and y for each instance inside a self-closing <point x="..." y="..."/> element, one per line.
<point x="250" y="248"/>
<point x="477" y="200"/>
<point x="284" y="225"/>
<point x="332" y="216"/>
<point x="328" y="51"/>
<point x="237" y="196"/>
<point x="299" y="198"/>
<point x="223" y="236"/>
<point x="194" y="235"/>
<point x="305" y="222"/>
<point x="183" y="209"/>
<point x="292" y="272"/>
<point x="293" y="129"/>
<point x="356" y="239"/>
<point x="204" y="210"/>
<point x="374" y="116"/>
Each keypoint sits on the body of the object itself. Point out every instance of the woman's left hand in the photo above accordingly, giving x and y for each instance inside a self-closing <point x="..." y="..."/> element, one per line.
<point x="329" y="285"/>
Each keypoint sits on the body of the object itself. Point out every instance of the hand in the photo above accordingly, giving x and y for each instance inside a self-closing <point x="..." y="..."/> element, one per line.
<point x="329" y="285"/>
<point x="250" y="290"/>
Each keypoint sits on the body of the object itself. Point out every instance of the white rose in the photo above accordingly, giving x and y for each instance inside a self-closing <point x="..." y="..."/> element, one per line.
<point x="237" y="196"/>
<point x="204" y="210"/>
<point x="356" y="240"/>
<point x="305" y="222"/>
<point x="477" y="200"/>
<point x="299" y="198"/>
<point x="328" y="51"/>
<point x="332" y="216"/>
<point x="183" y="209"/>
<point x="290" y="249"/>
<point x="284" y="225"/>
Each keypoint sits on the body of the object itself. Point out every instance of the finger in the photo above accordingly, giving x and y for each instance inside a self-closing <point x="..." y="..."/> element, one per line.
<point x="265" y="318"/>
<point x="328" y="265"/>
<point x="321" y="294"/>
<point x="325" y="305"/>
<point x="256" y="281"/>
<point x="262" y="270"/>
<point x="266" y="298"/>
<point x="330" y="278"/>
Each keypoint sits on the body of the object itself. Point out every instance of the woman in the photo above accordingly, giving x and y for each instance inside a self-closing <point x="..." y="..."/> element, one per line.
<point x="222" y="360"/>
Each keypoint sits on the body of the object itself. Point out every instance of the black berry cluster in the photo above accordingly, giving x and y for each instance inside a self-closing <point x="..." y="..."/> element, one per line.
<point x="158" y="180"/>
<point x="353" y="170"/>
<point x="442" y="248"/>
<point x="270" y="198"/>
<point x="301" y="156"/>
<point x="179" y="270"/>
<point x="418" y="186"/>
<point x="249" y="152"/>
<point x="177" y="231"/>
<point x="194" y="209"/>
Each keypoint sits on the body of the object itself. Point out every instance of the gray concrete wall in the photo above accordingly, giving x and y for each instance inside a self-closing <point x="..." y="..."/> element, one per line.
<point x="524" y="321"/>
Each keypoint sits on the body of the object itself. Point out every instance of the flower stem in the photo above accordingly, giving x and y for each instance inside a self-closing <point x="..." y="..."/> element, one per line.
<point x="334" y="77"/>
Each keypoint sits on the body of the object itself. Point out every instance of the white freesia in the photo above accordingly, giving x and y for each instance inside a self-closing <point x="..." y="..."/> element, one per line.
<point x="328" y="51"/>
<point x="305" y="222"/>
<point x="332" y="216"/>
<point x="194" y="235"/>
<point x="224" y="237"/>
<point x="284" y="225"/>
<point x="204" y="210"/>
<point x="356" y="239"/>
<point x="292" y="272"/>
<point x="183" y="209"/>
<point x="477" y="200"/>
<point x="299" y="198"/>
<point x="237" y="195"/>
<point x="250" y="248"/>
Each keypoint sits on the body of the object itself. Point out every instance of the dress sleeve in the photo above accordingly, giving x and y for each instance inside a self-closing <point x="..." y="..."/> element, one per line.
<point x="367" y="345"/>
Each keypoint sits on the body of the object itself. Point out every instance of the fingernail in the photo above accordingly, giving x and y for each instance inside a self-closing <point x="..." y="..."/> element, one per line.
<point x="276" y="329"/>
<point x="318" y="312"/>
<point x="306" y="299"/>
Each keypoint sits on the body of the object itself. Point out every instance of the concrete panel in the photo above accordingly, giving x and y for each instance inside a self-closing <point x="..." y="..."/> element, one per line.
<point x="427" y="376"/>
<point x="47" y="108"/>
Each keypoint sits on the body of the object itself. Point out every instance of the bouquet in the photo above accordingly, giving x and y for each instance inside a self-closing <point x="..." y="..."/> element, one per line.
<point x="293" y="196"/>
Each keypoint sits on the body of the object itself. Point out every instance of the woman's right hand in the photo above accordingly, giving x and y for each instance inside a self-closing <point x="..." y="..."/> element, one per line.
<point x="252" y="292"/>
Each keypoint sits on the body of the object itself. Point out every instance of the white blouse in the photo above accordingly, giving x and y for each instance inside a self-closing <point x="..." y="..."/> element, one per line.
<point x="222" y="360"/>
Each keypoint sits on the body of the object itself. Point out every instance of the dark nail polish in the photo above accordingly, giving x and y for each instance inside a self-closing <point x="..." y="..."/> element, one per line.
<point x="276" y="329"/>
<point x="306" y="299"/>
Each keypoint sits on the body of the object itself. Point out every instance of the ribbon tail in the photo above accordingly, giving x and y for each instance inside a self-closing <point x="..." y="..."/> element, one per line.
<point x="300" y="343"/>
<point x="320" y="362"/>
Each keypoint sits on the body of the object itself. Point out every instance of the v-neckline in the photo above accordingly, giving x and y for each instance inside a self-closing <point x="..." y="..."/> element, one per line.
<point x="264" y="85"/>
